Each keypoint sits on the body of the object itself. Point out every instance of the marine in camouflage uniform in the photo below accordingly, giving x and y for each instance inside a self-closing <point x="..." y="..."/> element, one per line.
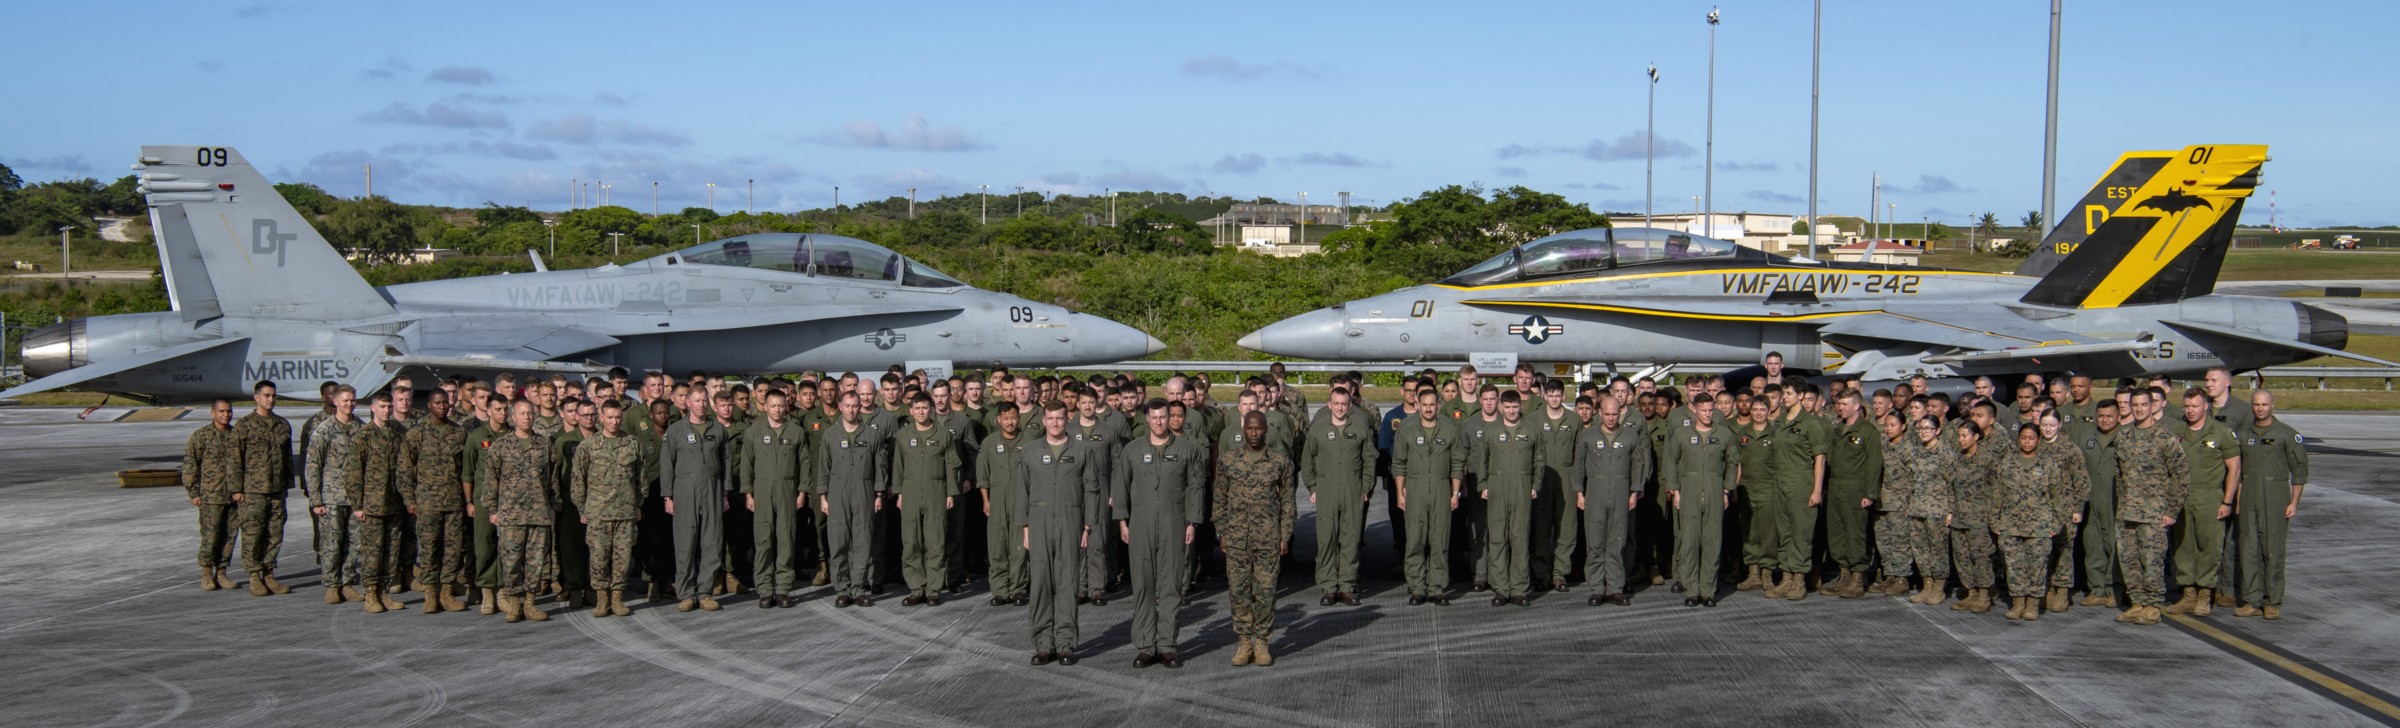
<point x="1971" y="508"/>
<point x="1894" y="530"/>
<point x="211" y="475"/>
<point x="2075" y="489"/>
<point x="429" y="481"/>
<point x="523" y="501"/>
<point x="325" y="482"/>
<point x="608" y="490"/>
<point x="374" y="500"/>
<point x="2152" y="479"/>
<point x="263" y="442"/>
<point x="1928" y="511"/>
<point x="2027" y="490"/>
<point x="1254" y="510"/>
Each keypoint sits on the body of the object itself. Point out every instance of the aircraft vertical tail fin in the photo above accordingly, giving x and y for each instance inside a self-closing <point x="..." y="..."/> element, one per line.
<point x="2104" y="201"/>
<point x="229" y="244"/>
<point x="2159" y="241"/>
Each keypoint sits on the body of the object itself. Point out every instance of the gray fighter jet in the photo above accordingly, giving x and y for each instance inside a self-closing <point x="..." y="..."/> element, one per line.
<point x="259" y="295"/>
<point x="2125" y="290"/>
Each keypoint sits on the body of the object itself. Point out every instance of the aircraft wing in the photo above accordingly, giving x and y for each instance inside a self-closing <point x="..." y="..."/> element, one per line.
<point x="497" y="338"/>
<point x="116" y="364"/>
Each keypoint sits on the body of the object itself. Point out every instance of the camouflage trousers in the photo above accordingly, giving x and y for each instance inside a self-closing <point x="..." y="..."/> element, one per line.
<point x="379" y="548"/>
<point x="2062" y="557"/>
<point x="1929" y="547"/>
<point x="1250" y="576"/>
<point x="262" y="519"/>
<point x="216" y="534"/>
<point x="441" y="548"/>
<point x="611" y="548"/>
<point x="1892" y="542"/>
<point x="2028" y="559"/>
<point x="337" y="545"/>
<point x="2142" y="552"/>
<point x="524" y="557"/>
<point x="1971" y="555"/>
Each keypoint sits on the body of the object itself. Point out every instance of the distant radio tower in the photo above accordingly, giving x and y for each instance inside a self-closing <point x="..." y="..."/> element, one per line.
<point x="2271" y="212"/>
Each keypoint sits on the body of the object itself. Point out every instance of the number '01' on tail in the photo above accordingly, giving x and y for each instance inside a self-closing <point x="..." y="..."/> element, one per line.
<point x="2155" y="230"/>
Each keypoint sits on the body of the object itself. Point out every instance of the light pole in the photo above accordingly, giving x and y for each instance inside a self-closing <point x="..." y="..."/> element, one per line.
<point x="752" y="207"/>
<point x="654" y="198"/>
<point x="604" y="188"/>
<point x="574" y="193"/>
<point x="712" y="197"/>
<point x="613" y="240"/>
<point x="1649" y="145"/>
<point x="1112" y="209"/>
<point x="551" y="229"/>
<point x="1695" y="213"/>
<point x="1020" y="200"/>
<point x="66" y="259"/>
<point x="1303" y="220"/>
<point x="1816" y="44"/>
<point x="695" y="234"/>
<point x="984" y="192"/>
<point x="837" y="205"/>
<point x="1891" y="214"/>
<point x="912" y="203"/>
<point x="2050" y="123"/>
<point x="1708" y="176"/>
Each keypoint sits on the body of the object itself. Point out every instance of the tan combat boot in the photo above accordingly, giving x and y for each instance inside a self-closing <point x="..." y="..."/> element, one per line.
<point x="2184" y="605"/>
<point x="2204" y="605"/>
<point x="351" y="593"/>
<point x="1858" y="586"/>
<point x="2058" y="599"/>
<point x="687" y="605"/>
<point x="708" y="605"/>
<point x="2246" y="610"/>
<point x="374" y="606"/>
<point x="2271" y="611"/>
<point x="1929" y="596"/>
<point x="2016" y="606"/>
<point x="223" y="581"/>
<point x="208" y="579"/>
<point x="1965" y="601"/>
<point x="276" y="586"/>
<point x="449" y="599"/>
<point x="822" y="578"/>
<point x="2132" y="612"/>
<point x="333" y="595"/>
<point x="2097" y="600"/>
<point x="508" y="608"/>
<point x="433" y="599"/>
<point x="1895" y="586"/>
<point x="258" y="586"/>
<point x="1982" y="601"/>
<point x="2033" y="609"/>
<point x="2149" y="615"/>
<point x="1258" y="652"/>
<point x="491" y="603"/>
<point x="1795" y="585"/>
<point x="533" y="613"/>
<point x="390" y="604"/>
<point x="2223" y="599"/>
<point x="1241" y="657"/>
<point x="616" y="603"/>
<point x="1752" y="582"/>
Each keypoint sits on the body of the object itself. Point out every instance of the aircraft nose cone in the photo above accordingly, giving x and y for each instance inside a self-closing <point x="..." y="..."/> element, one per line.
<point x="1101" y="341"/>
<point x="1155" y="346"/>
<point x="1313" y="335"/>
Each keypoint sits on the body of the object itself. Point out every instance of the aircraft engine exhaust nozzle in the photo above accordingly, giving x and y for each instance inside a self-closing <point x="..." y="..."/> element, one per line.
<point x="2323" y="328"/>
<point x="54" y="348"/>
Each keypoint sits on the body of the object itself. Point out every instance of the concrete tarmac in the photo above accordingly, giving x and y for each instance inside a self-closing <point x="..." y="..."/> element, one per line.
<point x="102" y="623"/>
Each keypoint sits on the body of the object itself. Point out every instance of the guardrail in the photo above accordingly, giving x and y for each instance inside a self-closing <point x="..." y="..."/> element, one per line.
<point x="2320" y="374"/>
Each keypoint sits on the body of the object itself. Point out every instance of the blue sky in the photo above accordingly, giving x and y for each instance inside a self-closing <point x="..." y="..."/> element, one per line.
<point x="458" y="103"/>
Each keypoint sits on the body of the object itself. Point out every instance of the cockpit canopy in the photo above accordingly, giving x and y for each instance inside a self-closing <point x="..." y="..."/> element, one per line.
<point x="831" y="256"/>
<point x="1586" y="252"/>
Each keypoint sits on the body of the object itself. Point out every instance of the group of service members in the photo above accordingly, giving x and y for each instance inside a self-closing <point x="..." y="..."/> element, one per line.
<point x="1063" y="492"/>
